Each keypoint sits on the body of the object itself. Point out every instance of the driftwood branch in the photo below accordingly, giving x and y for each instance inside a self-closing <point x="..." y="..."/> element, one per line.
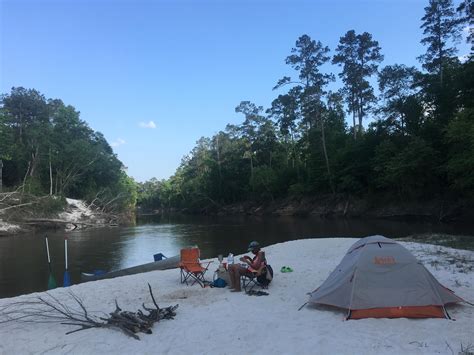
<point x="119" y="196"/>
<point x="20" y="205"/>
<point x="53" y="221"/>
<point x="49" y="309"/>
<point x="10" y="204"/>
<point x="7" y="195"/>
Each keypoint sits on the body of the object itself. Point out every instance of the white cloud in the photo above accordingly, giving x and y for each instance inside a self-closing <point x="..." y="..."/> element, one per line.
<point x="150" y="124"/>
<point x="118" y="142"/>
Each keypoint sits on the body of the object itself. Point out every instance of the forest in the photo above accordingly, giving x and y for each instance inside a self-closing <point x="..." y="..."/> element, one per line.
<point x="393" y="132"/>
<point x="419" y="145"/>
<point x="47" y="150"/>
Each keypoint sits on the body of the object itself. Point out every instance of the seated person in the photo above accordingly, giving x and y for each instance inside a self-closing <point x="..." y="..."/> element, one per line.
<point x="254" y="265"/>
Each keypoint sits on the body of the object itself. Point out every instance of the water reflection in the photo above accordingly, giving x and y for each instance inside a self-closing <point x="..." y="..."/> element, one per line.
<point x="24" y="269"/>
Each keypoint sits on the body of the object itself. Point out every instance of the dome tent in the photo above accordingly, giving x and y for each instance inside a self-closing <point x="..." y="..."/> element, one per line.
<point x="379" y="278"/>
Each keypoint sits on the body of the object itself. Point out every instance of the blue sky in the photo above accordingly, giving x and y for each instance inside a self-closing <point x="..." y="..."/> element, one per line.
<point x="155" y="76"/>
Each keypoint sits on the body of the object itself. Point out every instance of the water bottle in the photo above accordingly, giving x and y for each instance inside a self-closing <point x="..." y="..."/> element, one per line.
<point x="230" y="259"/>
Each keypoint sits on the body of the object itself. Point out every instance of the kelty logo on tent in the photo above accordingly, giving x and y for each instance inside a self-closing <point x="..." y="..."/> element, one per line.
<point x="384" y="260"/>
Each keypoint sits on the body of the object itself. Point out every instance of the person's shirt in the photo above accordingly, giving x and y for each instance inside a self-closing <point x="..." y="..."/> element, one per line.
<point x="258" y="260"/>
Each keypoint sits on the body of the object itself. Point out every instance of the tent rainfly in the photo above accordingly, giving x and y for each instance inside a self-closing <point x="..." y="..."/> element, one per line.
<point x="379" y="278"/>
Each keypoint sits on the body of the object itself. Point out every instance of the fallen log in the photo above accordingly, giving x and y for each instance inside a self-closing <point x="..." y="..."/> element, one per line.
<point x="58" y="221"/>
<point x="52" y="222"/>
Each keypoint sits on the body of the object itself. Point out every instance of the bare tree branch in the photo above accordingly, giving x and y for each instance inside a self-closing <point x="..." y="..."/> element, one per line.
<point x="49" y="309"/>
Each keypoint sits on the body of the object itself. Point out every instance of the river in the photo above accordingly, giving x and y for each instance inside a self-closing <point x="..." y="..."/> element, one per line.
<point x="24" y="267"/>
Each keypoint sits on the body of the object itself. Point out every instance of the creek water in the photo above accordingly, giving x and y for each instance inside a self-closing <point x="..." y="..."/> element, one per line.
<point x="24" y="267"/>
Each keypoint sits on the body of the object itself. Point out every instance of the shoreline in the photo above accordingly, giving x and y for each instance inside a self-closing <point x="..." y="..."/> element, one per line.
<point x="435" y="210"/>
<point x="75" y="215"/>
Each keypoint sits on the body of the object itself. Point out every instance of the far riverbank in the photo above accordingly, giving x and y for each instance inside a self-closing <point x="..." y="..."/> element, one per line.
<point x="435" y="210"/>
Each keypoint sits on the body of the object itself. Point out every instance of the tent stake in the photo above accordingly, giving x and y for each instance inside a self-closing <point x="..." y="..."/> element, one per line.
<point x="299" y="309"/>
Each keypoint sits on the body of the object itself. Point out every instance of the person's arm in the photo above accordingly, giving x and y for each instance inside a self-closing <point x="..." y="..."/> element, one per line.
<point x="246" y="259"/>
<point x="257" y="263"/>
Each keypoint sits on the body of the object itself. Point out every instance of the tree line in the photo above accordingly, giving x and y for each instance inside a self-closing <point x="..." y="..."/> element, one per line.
<point x="46" y="149"/>
<point x="420" y="145"/>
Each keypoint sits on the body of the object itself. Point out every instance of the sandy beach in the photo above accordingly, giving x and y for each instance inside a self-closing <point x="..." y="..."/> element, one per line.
<point x="217" y="321"/>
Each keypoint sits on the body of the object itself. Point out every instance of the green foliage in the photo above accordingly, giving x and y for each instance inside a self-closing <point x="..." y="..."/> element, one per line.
<point x="51" y="205"/>
<point x="264" y="181"/>
<point x="460" y="165"/>
<point x="440" y="25"/>
<point x="408" y="169"/>
<point x="420" y="144"/>
<point x="49" y="149"/>
<point x="359" y="56"/>
<point x="466" y="10"/>
<point x="297" y="190"/>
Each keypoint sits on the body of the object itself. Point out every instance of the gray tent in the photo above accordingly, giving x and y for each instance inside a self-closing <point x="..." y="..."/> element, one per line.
<point x="379" y="278"/>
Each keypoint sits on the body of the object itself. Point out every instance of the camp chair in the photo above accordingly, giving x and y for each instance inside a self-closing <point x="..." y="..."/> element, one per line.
<point x="191" y="267"/>
<point x="258" y="278"/>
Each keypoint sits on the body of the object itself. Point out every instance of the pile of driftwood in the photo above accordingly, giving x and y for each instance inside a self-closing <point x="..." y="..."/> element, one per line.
<point x="50" y="309"/>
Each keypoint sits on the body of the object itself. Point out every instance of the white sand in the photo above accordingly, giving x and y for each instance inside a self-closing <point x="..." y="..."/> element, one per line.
<point x="8" y="227"/>
<point x="217" y="321"/>
<point x="75" y="211"/>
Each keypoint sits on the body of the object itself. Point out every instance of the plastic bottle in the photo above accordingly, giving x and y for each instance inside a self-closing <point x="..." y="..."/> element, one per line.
<point x="230" y="259"/>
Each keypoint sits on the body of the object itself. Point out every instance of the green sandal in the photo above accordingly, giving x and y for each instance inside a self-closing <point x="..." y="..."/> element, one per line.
<point x="286" y="269"/>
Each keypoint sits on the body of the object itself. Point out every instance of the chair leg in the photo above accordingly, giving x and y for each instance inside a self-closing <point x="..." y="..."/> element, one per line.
<point x="190" y="278"/>
<point x="248" y="283"/>
<point x="199" y="278"/>
<point x="185" y="275"/>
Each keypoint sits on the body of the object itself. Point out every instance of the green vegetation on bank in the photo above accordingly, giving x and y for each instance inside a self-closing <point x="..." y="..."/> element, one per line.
<point x="420" y="145"/>
<point x="46" y="149"/>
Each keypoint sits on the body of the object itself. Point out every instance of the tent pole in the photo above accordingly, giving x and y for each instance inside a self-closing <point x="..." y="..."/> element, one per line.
<point x="348" y="314"/>
<point x="446" y="313"/>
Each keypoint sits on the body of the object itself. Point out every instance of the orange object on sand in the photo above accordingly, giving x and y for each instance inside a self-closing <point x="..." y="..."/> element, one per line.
<point x="191" y="268"/>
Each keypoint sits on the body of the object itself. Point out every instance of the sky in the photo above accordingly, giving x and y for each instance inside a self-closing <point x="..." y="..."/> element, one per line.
<point x="155" y="76"/>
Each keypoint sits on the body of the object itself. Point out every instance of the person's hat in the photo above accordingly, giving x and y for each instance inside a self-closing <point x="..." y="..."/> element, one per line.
<point x="253" y="245"/>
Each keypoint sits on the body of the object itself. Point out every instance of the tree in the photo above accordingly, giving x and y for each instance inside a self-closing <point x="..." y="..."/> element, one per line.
<point x="26" y="113"/>
<point x="48" y="148"/>
<point x="460" y="165"/>
<point x="286" y="110"/>
<point x="6" y="137"/>
<point x="249" y="129"/>
<point x="359" y="56"/>
<point x="396" y="85"/>
<point x="307" y="58"/>
<point x="466" y="9"/>
<point x="440" y="25"/>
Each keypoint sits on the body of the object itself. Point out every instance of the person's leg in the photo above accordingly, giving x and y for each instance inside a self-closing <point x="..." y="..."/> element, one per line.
<point x="239" y="271"/>
<point x="237" y="279"/>
<point x="234" y="275"/>
<point x="231" y="271"/>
